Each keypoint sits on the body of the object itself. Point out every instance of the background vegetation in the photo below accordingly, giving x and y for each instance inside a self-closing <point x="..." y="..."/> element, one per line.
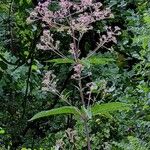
<point x="122" y="74"/>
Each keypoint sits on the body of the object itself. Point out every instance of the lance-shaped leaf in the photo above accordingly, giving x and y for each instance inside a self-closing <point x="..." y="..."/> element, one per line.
<point x="98" y="60"/>
<point x="62" y="61"/>
<point x="109" y="108"/>
<point x="57" y="111"/>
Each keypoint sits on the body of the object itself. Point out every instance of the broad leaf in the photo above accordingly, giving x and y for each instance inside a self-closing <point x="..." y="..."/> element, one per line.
<point x="108" y="108"/>
<point x="57" y="111"/>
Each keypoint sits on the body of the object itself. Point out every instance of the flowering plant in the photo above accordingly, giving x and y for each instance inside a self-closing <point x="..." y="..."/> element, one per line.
<point x="74" y="18"/>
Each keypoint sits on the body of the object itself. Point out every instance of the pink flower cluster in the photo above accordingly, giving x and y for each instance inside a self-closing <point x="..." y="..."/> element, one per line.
<point x="86" y="2"/>
<point x="77" y="15"/>
<point x="110" y="35"/>
<point x="49" y="82"/>
<point x="74" y="18"/>
<point x="77" y="69"/>
<point x="47" y="42"/>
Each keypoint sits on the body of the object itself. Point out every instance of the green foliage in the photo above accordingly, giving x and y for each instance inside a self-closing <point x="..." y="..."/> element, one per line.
<point x="121" y="79"/>
<point x="134" y="144"/>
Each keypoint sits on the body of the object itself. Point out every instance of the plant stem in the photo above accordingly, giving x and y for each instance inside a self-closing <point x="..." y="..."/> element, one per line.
<point x="85" y="120"/>
<point x="81" y="92"/>
<point x="87" y="135"/>
<point x="76" y="49"/>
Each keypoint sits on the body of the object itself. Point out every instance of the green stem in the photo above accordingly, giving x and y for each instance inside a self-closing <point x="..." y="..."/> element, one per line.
<point x="81" y="92"/>
<point x="87" y="135"/>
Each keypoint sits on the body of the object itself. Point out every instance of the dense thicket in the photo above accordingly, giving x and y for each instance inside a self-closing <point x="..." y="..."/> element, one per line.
<point x="121" y="73"/>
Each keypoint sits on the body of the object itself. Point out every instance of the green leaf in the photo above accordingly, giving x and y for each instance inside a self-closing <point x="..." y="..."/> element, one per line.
<point x="34" y="67"/>
<point x="3" y="7"/>
<point x="62" y="61"/>
<point x="97" y="60"/>
<point x="146" y="18"/>
<point x="57" y="111"/>
<point x="2" y="131"/>
<point x="28" y="1"/>
<point x="23" y="148"/>
<point x="109" y="107"/>
<point x="107" y="115"/>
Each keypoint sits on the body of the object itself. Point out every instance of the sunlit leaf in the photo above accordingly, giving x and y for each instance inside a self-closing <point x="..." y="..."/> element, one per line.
<point x="57" y="111"/>
<point x="109" y="107"/>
